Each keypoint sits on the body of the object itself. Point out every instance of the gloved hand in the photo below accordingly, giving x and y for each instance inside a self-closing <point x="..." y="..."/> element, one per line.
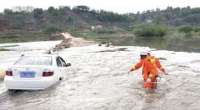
<point x="163" y="70"/>
<point x="148" y="80"/>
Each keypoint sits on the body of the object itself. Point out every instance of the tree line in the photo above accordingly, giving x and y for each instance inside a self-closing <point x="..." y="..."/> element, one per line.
<point x="54" y="20"/>
<point x="170" y="16"/>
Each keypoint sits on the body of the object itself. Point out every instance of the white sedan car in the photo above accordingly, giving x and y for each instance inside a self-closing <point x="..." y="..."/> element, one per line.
<point x="35" y="72"/>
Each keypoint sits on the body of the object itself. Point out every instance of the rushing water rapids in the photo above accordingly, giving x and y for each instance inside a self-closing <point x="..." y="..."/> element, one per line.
<point x="98" y="80"/>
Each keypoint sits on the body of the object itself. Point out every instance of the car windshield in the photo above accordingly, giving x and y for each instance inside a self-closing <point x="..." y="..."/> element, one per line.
<point x="35" y="60"/>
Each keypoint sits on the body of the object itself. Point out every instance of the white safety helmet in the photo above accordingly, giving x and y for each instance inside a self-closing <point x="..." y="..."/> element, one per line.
<point x="143" y="53"/>
<point x="148" y="51"/>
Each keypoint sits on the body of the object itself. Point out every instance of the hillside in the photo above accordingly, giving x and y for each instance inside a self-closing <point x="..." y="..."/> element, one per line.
<point x="171" y="16"/>
<point x="39" y="24"/>
<point x="28" y="24"/>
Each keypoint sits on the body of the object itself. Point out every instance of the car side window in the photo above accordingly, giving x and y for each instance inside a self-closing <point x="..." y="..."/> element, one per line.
<point x="63" y="62"/>
<point x="59" y="64"/>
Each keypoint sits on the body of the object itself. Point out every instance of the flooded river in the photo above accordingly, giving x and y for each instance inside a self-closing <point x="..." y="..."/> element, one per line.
<point x="98" y="80"/>
<point x="173" y="43"/>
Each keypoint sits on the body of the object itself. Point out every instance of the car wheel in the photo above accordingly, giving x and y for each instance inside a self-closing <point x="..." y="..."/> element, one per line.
<point x="10" y="90"/>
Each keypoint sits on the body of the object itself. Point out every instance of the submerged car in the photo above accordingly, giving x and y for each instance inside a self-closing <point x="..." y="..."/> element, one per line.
<point x="35" y="72"/>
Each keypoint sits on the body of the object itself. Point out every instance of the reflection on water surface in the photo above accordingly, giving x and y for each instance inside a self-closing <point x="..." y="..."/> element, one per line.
<point x="174" y="44"/>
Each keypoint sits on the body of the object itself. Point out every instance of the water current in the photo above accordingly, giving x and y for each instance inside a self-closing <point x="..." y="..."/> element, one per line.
<point x="98" y="80"/>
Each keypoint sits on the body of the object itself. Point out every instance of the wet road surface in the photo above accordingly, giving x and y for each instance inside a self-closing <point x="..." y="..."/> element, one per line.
<point x="98" y="80"/>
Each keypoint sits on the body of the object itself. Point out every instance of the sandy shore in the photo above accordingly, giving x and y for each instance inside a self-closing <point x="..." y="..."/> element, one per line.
<point x="78" y="42"/>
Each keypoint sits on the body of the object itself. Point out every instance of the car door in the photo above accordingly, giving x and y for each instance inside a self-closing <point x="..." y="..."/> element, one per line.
<point x="61" y="69"/>
<point x="64" y="65"/>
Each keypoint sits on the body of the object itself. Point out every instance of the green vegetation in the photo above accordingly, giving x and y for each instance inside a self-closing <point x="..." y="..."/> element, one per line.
<point x="196" y="29"/>
<point x="104" y="31"/>
<point x="186" y="29"/>
<point x="38" y="12"/>
<point x="171" y="16"/>
<point x="10" y="46"/>
<point x="22" y="24"/>
<point x="150" y="30"/>
<point x="81" y="8"/>
<point x="50" y="29"/>
<point x="3" y="49"/>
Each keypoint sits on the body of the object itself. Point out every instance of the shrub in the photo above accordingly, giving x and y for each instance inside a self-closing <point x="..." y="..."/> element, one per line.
<point x="104" y="31"/>
<point x="37" y="12"/>
<point x="50" y="29"/>
<point x="3" y="49"/>
<point x="185" y="28"/>
<point x="150" y="30"/>
<point x="196" y="29"/>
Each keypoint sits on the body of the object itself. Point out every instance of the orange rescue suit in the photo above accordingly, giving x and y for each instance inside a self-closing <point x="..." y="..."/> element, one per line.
<point x="150" y="72"/>
<point x="157" y="62"/>
<point x="149" y="69"/>
<point x="153" y="59"/>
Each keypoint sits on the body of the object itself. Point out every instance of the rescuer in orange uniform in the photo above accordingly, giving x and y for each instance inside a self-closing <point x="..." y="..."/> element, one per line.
<point x="150" y="73"/>
<point x="156" y="61"/>
<point x="149" y="70"/>
<point x="153" y="59"/>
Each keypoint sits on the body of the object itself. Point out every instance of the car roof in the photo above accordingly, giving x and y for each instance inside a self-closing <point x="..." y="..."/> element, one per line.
<point x="41" y="55"/>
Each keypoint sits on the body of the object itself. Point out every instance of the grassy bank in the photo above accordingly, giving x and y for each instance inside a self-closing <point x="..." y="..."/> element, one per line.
<point x="28" y="37"/>
<point x="3" y="49"/>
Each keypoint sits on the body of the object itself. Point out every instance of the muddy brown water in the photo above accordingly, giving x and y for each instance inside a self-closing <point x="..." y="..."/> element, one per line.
<point x="172" y="44"/>
<point x="98" y="80"/>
